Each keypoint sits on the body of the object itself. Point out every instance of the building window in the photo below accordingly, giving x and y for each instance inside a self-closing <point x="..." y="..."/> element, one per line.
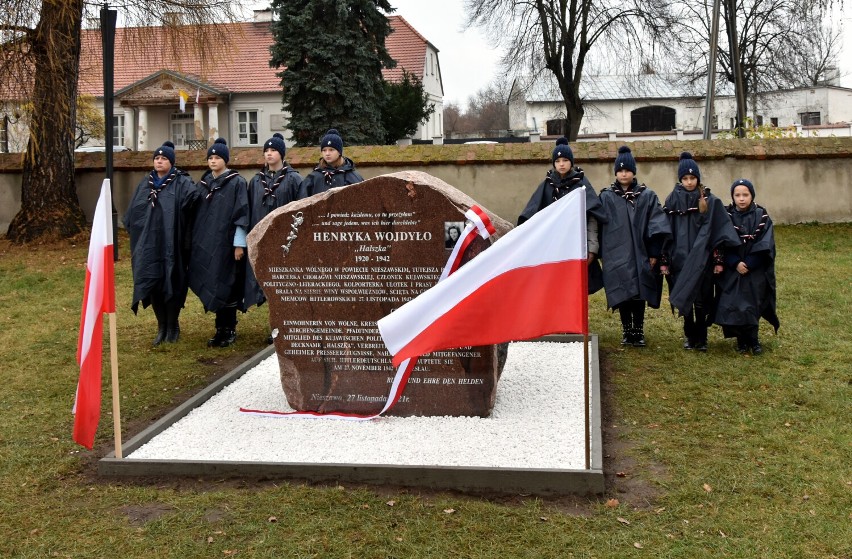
<point x="774" y="121"/>
<point x="715" y="122"/>
<point x="655" y="118"/>
<point x="557" y="127"/>
<point x="4" y="134"/>
<point x="758" y="120"/>
<point x="118" y="130"/>
<point x="810" y="119"/>
<point x="246" y="128"/>
<point x="182" y="129"/>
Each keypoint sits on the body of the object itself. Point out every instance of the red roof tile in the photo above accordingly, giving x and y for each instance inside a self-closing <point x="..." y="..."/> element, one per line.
<point x="407" y="47"/>
<point x="245" y="70"/>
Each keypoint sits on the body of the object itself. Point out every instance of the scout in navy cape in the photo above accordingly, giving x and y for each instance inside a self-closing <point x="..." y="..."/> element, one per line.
<point x="632" y="238"/>
<point x="217" y="260"/>
<point x="333" y="170"/>
<point x="274" y="186"/>
<point x="701" y="229"/>
<point x="747" y="285"/>
<point x="562" y="178"/>
<point x="158" y="221"/>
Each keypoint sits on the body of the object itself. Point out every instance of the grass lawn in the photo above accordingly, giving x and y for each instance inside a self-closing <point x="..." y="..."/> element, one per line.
<point x="709" y="455"/>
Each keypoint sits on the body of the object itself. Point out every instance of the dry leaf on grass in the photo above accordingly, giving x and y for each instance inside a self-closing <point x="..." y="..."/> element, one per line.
<point x="612" y="503"/>
<point x="623" y="521"/>
<point x="449" y="511"/>
<point x="390" y="503"/>
<point x="707" y="487"/>
<point x="638" y="545"/>
<point x="272" y="519"/>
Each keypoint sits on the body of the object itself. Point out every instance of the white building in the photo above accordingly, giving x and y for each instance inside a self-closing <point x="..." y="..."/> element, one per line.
<point x="237" y="96"/>
<point x="656" y="105"/>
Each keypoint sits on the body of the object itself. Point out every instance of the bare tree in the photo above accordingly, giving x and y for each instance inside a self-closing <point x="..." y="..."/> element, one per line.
<point x="40" y="63"/>
<point x="557" y="36"/>
<point x="781" y="43"/>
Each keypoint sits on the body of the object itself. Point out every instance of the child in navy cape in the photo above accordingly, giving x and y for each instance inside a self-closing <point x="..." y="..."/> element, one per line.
<point x="747" y="285"/>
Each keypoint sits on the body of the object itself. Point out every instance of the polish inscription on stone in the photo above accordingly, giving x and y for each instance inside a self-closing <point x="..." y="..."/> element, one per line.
<point x="333" y="264"/>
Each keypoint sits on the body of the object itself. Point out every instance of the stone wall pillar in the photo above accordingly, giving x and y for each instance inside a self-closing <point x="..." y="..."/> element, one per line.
<point x="198" y="116"/>
<point x="212" y="122"/>
<point x="129" y="128"/>
<point x="142" y="130"/>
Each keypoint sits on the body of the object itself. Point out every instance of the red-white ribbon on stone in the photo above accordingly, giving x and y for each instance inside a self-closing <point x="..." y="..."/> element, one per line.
<point x="478" y="223"/>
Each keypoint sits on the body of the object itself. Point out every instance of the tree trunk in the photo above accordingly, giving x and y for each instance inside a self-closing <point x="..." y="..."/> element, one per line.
<point x="574" y="115"/>
<point x="50" y="208"/>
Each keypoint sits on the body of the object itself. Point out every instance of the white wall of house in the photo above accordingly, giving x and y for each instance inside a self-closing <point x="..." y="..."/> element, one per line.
<point x="432" y="85"/>
<point x="827" y="105"/>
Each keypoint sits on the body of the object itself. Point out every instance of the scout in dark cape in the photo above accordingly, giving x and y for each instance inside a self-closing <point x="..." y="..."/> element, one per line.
<point x="333" y="170"/>
<point x="217" y="261"/>
<point x="276" y="185"/>
<point x="563" y="178"/>
<point x="747" y="285"/>
<point x="632" y="240"/>
<point x="701" y="228"/>
<point x="158" y="222"/>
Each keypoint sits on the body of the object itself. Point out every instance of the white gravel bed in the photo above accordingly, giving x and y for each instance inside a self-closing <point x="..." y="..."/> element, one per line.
<point x="537" y="422"/>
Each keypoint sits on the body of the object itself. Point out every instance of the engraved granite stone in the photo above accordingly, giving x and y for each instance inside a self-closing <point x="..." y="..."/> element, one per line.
<point x="333" y="264"/>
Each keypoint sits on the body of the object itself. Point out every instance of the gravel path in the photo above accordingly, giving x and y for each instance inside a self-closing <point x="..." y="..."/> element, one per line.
<point x="537" y="422"/>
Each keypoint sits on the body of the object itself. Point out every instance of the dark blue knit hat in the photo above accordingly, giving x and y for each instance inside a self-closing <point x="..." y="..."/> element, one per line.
<point x="562" y="149"/>
<point x="625" y="160"/>
<point x="167" y="150"/>
<point x="688" y="166"/>
<point x="743" y="182"/>
<point x="276" y="142"/>
<point x="332" y="139"/>
<point x="220" y="148"/>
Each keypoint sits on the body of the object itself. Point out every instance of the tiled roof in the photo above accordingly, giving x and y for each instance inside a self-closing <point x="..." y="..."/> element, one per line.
<point x="407" y="47"/>
<point x="245" y="70"/>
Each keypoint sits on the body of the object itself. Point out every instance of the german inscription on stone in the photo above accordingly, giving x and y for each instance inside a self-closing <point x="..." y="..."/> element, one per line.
<point x="333" y="264"/>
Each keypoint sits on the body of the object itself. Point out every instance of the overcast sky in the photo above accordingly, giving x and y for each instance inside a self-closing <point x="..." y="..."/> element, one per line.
<point x="469" y="60"/>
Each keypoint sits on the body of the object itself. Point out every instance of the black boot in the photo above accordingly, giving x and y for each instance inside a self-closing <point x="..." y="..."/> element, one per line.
<point x="229" y="336"/>
<point x="639" y="337"/>
<point x="639" y="324"/>
<point x="217" y="338"/>
<point x="160" y="312"/>
<point x="626" y="324"/>
<point x="172" y="325"/>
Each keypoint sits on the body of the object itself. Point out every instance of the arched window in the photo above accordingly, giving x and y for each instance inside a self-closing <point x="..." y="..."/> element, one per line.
<point x="655" y="118"/>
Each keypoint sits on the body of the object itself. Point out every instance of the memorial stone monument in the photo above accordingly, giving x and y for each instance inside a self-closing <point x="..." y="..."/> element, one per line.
<point x="333" y="264"/>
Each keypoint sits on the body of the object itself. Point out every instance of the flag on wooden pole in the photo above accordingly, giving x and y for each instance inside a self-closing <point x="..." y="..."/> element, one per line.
<point x="98" y="298"/>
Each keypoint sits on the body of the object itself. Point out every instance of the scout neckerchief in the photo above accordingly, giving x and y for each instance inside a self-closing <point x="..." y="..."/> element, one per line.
<point x="629" y="195"/>
<point x="218" y="183"/>
<point x="155" y="189"/>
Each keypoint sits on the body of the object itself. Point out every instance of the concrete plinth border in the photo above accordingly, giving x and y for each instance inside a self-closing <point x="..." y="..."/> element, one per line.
<point x="470" y="479"/>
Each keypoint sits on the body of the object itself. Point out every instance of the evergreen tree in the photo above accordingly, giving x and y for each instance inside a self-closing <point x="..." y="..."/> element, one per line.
<point x="406" y="107"/>
<point x="332" y="52"/>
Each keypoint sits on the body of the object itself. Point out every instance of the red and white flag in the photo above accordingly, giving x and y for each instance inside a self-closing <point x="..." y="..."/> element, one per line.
<point x="98" y="298"/>
<point x="531" y="282"/>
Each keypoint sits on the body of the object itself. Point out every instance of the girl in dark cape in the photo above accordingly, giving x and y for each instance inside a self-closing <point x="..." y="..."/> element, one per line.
<point x="333" y="170"/>
<point x="274" y="186"/>
<point x="700" y="228"/>
<point x="217" y="260"/>
<point x="158" y="222"/>
<point x="747" y="285"/>
<point x="563" y="178"/>
<point x="632" y="240"/>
